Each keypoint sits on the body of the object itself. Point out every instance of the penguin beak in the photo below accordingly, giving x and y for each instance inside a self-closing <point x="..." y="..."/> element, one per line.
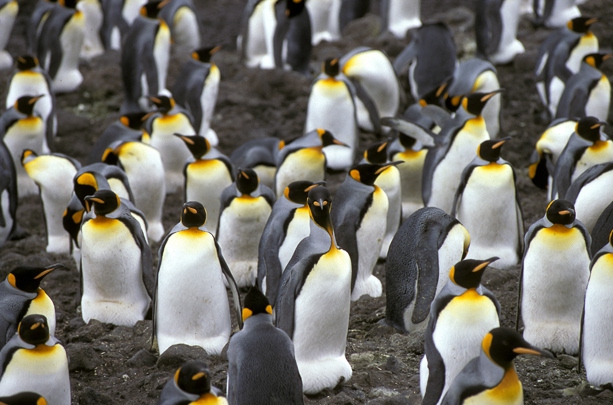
<point x="184" y="138"/>
<point x="568" y="211"/>
<point x="35" y="99"/>
<point x="486" y="263"/>
<point x="490" y="95"/>
<point x="50" y="269"/>
<point x="533" y="350"/>
<point x="501" y="142"/>
<point x="339" y="143"/>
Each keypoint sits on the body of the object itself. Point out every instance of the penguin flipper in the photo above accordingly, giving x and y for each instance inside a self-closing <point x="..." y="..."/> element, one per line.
<point x="6" y="354"/>
<point x="464" y="384"/>
<point x="572" y="103"/>
<point x="232" y="285"/>
<point x="457" y="199"/>
<point x="346" y="238"/>
<point x="145" y="251"/>
<point x="414" y="130"/>
<point x="488" y="26"/>
<point x="532" y="231"/>
<point x="405" y="57"/>
<point x="368" y="102"/>
<point x="281" y="30"/>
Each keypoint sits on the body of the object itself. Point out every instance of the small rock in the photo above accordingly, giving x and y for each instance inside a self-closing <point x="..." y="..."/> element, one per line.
<point x="82" y="357"/>
<point x="394" y="400"/>
<point x="142" y="358"/>
<point x="176" y="355"/>
<point x="566" y="361"/>
<point x="89" y="396"/>
<point x="380" y="392"/>
<point x="362" y="359"/>
<point x="393" y="364"/>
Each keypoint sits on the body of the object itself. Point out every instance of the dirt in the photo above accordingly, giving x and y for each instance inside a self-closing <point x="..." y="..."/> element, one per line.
<point x="114" y="365"/>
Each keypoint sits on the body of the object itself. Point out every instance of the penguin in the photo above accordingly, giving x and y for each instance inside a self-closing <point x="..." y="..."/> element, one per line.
<point x="314" y="300"/>
<point x="196" y="89"/>
<point x="287" y="225"/>
<point x="245" y="208"/>
<point x="254" y="42"/>
<point x="426" y="246"/>
<point x="262" y="367"/>
<point x="71" y="221"/>
<point x="351" y="10"/>
<point x="597" y="315"/>
<point x="116" y="265"/>
<point x="161" y="127"/>
<point x="600" y="232"/>
<point x="144" y="169"/>
<point x="591" y="193"/>
<point x="496" y="24"/>
<point x="34" y="360"/>
<point x="22" y="296"/>
<point x="35" y="23"/>
<point x="588" y="146"/>
<point x="455" y="148"/>
<point x="292" y="37"/>
<point x="21" y="128"/>
<point x="554" y="13"/>
<point x="53" y="175"/>
<point x="587" y="92"/>
<point x="324" y="20"/>
<point x="390" y="182"/>
<point x="114" y="26"/>
<point x="92" y="39"/>
<point x="359" y="219"/>
<point x="24" y="398"/>
<point x="59" y="45"/>
<point x="331" y="106"/>
<point x="430" y="58"/>
<point x="190" y="274"/>
<point x="491" y="378"/>
<point x="400" y="16"/>
<point x="206" y="177"/>
<point x="91" y="178"/>
<point x="553" y="279"/>
<point x="128" y="127"/>
<point x="9" y="197"/>
<point x="303" y="159"/>
<point x="376" y="85"/>
<point x="8" y="15"/>
<point x="191" y="384"/>
<point x="460" y="315"/>
<point x="487" y="204"/>
<point x="28" y="79"/>
<point x="183" y="22"/>
<point x="260" y="155"/>
<point x="145" y="56"/>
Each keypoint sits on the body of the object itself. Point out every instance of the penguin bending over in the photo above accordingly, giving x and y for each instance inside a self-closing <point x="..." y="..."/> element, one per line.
<point x="183" y="22"/>
<point x="191" y="384"/>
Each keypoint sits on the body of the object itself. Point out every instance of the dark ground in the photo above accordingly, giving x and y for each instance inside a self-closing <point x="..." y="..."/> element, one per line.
<point x="113" y="365"/>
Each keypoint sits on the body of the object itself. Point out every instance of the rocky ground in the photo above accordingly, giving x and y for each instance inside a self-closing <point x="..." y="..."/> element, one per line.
<point x="115" y="365"/>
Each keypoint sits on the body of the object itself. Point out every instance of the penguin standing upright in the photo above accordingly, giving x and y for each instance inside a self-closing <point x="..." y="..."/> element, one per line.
<point x="254" y="41"/>
<point x="324" y="20"/>
<point x="191" y="274"/>
<point x="196" y="89"/>
<point x="461" y="314"/>
<point x="423" y="250"/>
<point x="191" y="384"/>
<point x="8" y="14"/>
<point x="262" y="368"/>
<point x="34" y="360"/>
<point x="183" y="22"/>
<point x="292" y="36"/>
<point x="399" y="16"/>
<point x="591" y="193"/>
<point x="491" y="378"/>
<point x="496" y="30"/>
<point x="554" y="276"/>
<point x="487" y="204"/>
<point x="245" y="208"/>
<point x="9" y="197"/>
<point x="116" y="263"/>
<point x="92" y="39"/>
<point x="331" y="106"/>
<point x="314" y="301"/>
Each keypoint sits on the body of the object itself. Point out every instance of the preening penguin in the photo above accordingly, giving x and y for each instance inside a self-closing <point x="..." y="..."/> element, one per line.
<point x="191" y="384"/>
<point x="423" y="250"/>
<point x="8" y="14"/>
<point x="128" y="127"/>
<point x="183" y="22"/>
<point x="190" y="275"/>
<point x="399" y="16"/>
<point x="260" y="155"/>
<point x="591" y="193"/>
<point x="496" y="30"/>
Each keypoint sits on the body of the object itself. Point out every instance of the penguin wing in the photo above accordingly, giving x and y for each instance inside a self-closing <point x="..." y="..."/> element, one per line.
<point x="408" y="54"/>
<point x="49" y="39"/>
<point x="256" y="152"/>
<point x="6" y="354"/>
<point x="602" y="229"/>
<point x="231" y="284"/>
<point x="574" y="98"/>
<point x="532" y="231"/>
<point x="414" y="130"/>
<point x="519" y="214"/>
<point x="368" y="102"/>
<point x="565" y="165"/>
<point x="345" y="230"/>
<point x="488" y="26"/>
<point x="434" y="156"/>
<point x="281" y="30"/>
<point x="457" y="199"/>
<point x="269" y="195"/>
<point x="472" y="380"/>
<point x="13" y="307"/>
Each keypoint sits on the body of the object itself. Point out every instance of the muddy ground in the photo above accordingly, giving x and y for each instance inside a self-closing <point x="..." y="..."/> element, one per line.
<point x="114" y="365"/>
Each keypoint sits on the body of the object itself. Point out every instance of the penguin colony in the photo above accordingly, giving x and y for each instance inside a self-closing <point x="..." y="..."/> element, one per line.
<point x="268" y="207"/>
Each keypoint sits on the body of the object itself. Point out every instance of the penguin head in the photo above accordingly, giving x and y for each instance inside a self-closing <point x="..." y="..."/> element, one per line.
<point x="198" y="145"/>
<point x="490" y="150"/>
<point x="319" y="201"/>
<point x="68" y="3"/>
<point x="85" y="184"/>
<point x="406" y="141"/>
<point x="377" y="153"/>
<point x="25" y="104"/>
<point x="28" y="278"/>
<point x="24" y="398"/>
<point x="33" y="329"/>
<point x="595" y="59"/>
<point x="26" y="62"/>
<point x="134" y="120"/>
<point x="247" y="181"/>
<point x="298" y="191"/>
<point x="367" y="173"/>
<point x="475" y="102"/>
<point x="105" y="201"/>
<point x="204" y="55"/>
<point x="71" y="221"/>
<point x="331" y="67"/>
<point x="467" y="273"/>
<point x="452" y="103"/>
<point x="294" y="7"/>
<point x="193" y="377"/>
<point x="152" y="8"/>
<point x="589" y="128"/>
<point x="502" y="345"/>
<point x="435" y="96"/>
<point x="27" y="156"/>
<point x="255" y="303"/>
<point x="193" y="214"/>
<point x="110" y="156"/>
<point x="561" y="212"/>
<point x="581" y="25"/>
<point x="163" y="103"/>
<point x="328" y="139"/>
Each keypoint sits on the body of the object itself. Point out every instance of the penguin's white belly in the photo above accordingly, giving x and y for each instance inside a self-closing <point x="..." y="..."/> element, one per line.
<point x="269" y="25"/>
<point x="192" y="304"/>
<point x="593" y="198"/>
<point x="43" y="370"/>
<point x="255" y="46"/>
<point x="509" y="46"/>
<point x="488" y="209"/>
<point x="320" y="12"/>
<point x="556" y="271"/>
<point x="4" y="204"/>
<point x="43" y="305"/>
<point x="8" y="13"/>
<point x="92" y="43"/>
<point x="597" y="332"/>
<point x="68" y="77"/>
<point x="305" y="164"/>
<point x="113" y="288"/>
<point x="161" y="55"/>
<point x="600" y="100"/>
<point x="601" y="152"/>
<point x="185" y="31"/>
<point x="28" y="133"/>
<point x="411" y="173"/>
<point x="487" y="82"/>
<point x="403" y="15"/>
<point x="561" y="13"/>
<point x="208" y="99"/>
<point x="389" y="182"/>
<point x="321" y="323"/>
<point x="297" y="230"/>
<point x="30" y="83"/>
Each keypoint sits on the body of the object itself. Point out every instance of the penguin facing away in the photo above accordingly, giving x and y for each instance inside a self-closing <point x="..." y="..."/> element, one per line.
<point x="591" y="193"/>
<point x="496" y="30"/>
<point x="292" y="36"/>
<point x="191" y="384"/>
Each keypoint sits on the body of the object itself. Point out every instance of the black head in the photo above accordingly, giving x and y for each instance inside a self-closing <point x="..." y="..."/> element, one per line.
<point x="204" y="55"/>
<point x="194" y="377"/>
<point x="589" y="128"/>
<point x="193" y="214"/>
<point x="435" y="96"/>
<point x="33" y="329"/>
<point x="328" y="139"/>
<point x="197" y="144"/>
<point x="85" y="184"/>
<point x="377" y="153"/>
<point x="134" y="120"/>
<point x="406" y="141"/>
<point x="68" y="3"/>
<point x="25" y="104"/>
<point x="105" y="201"/>
<point x="298" y="191"/>
<point x="24" y="398"/>
<point x="467" y="273"/>
<point x="26" y="62"/>
<point x="255" y="303"/>
<point x="294" y="7"/>
<point x="502" y="345"/>
<point x="319" y="201"/>
<point x="475" y="102"/>
<point x="367" y="173"/>
<point x="331" y="67"/>
<point x="561" y="212"/>
<point x="595" y="59"/>
<point x="163" y="103"/>
<point x="152" y="8"/>
<point x="490" y="150"/>
<point x="581" y="25"/>
<point x="71" y="221"/>
<point x="28" y="278"/>
<point x="247" y="181"/>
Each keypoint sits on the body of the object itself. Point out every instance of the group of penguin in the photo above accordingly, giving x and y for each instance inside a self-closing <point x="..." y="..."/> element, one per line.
<point x="433" y="200"/>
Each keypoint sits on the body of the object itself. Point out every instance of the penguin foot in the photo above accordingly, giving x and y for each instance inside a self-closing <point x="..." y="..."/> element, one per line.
<point x="320" y="374"/>
<point x="371" y="286"/>
<point x="19" y="233"/>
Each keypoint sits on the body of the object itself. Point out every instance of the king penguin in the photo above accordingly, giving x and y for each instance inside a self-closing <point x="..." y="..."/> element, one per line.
<point x="92" y="38"/>
<point x="314" y="301"/>
<point x="591" y="193"/>
<point x="460" y="315"/>
<point x="426" y="246"/>
<point x="555" y="13"/>
<point x="183" y="22"/>
<point x="292" y="36"/>
<point x="8" y="15"/>
<point x="491" y="378"/>
<point x="116" y="264"/>
<point x="259" y="154"/>
<point x="191" y="273"/>
<point x="554" y="276"/>
<point x="34" y="360"/>
<point x="128" y="127"/>
<point x="399" y="16"/>
<point x="254" y="42"/>
<point x="262" y="367"/>
<point x="24" y="398"/>
<point x="191" y="384"/>
<point x="487" y="204"/>
<point x="496" y="30"/>
<point x="9" y="197"/>
<point x="324" y="20"/>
